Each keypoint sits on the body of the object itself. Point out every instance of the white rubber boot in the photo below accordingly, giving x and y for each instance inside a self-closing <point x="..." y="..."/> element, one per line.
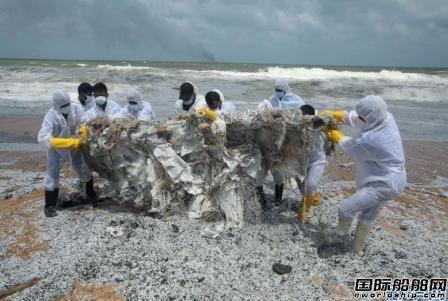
<point x="361" y="233"/>
<point x="342" y="227"/>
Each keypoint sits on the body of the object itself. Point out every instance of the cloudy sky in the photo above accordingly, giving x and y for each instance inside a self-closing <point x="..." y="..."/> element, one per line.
<point x="326" y="32"/>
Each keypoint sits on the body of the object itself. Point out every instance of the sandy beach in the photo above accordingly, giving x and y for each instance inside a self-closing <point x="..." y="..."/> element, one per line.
<point x="111" y="253"/>
<point x="182" y="133"/>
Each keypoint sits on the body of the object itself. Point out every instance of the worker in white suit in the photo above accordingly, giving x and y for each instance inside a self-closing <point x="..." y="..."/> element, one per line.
<point x="190" y="100"/>
<point x="380" y="164"/>
<point x="103" y="105"/>
<point x="282" y="99"/>
<point x="317" y="162"/>
<point x="57" y="135"/>
<point x="136" y="107"/>
<point x="85" y="96"/>
<point x="216" y="102"/>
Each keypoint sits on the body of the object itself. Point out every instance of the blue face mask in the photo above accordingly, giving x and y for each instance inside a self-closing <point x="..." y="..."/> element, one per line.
<point x="65" y="110"/>
<point x="101" y="100"/>
<point x="134" y="108"/>
<point x="88" y="100"/>
<point x="280" y="95"/>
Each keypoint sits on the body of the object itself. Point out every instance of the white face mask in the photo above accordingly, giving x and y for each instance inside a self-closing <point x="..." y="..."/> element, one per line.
<point x="134" y="108"/>
<point x="88" y="100"/>
<point x="280" y="95"/>
<point x="188" y="102"/>
<point x="65" y="110"/>
<point x="101" y="100"/>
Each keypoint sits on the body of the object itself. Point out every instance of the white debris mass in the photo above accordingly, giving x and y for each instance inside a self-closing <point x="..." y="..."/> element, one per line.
<point x="201" y="168"/>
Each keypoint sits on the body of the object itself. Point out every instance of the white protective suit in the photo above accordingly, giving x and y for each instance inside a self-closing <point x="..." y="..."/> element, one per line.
<point x="317" y="163"/>
<point x="290" y="100"/>
<point x="226" y="108"/>
<point x="199" y="102"/>
<point x="55" y="125"/>
<point x="145" y="113"/>
<point x="112" y="109"/>
<point x="378" y="153"/>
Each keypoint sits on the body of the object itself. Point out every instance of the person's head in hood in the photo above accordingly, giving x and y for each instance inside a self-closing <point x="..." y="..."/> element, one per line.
<point x="135" y="102"/>
<point x="308" y="110"/>
<point x="213" y="100"/>
<point x="187" y="93"/>
<point x="281" y="87"/>
<point x="85" y="94"/>
<point x="372" y="111"/>
<point x="100" y="94"/>
<point x="61" y="102"/>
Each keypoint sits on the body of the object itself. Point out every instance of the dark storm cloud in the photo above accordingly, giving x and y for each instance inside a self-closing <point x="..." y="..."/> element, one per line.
<point x="382" y="32"/>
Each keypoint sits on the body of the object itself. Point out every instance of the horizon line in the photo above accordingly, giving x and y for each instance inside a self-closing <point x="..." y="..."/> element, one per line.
<point x="219" y="62"/>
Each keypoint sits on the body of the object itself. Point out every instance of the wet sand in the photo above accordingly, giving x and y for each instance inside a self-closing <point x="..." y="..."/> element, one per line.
<point x="74" y="254"/>
<point x="20" y="128"/>
<point x="425" y="161"/>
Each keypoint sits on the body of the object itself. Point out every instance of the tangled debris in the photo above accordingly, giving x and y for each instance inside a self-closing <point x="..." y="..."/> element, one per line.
<point x="203" y="169"/>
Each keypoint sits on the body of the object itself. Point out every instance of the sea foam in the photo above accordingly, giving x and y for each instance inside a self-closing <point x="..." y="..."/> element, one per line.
<point x="307" y="74"/>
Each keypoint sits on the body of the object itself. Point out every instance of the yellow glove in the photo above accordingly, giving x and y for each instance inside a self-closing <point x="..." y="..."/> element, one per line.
<point x="338" y="115"/>
<point x="70" y="143"/>
<point x="334" y="135"/>
<point x="207" y="113"/>
<point x="83" y="131"/>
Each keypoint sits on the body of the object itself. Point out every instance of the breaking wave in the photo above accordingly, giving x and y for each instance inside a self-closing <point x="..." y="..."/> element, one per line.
<point x="126" y="68"/>
<point x="306" y="74"/>
<point x="28" y="83"/>
<point x="415" y="94"/>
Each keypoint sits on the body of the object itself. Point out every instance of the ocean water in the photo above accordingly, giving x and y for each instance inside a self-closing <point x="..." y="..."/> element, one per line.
<point x="417" y="97"/>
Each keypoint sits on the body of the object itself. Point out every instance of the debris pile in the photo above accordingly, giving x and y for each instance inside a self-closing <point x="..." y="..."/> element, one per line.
<point x="202" y="169"/>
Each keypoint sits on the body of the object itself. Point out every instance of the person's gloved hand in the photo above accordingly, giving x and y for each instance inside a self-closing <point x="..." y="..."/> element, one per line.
<point x="83" y="131"/>
<point x="334" y="135"/>
<point x="338" y="115"/>
<point x="207" y="113"/>
<point x="69" y="143"/>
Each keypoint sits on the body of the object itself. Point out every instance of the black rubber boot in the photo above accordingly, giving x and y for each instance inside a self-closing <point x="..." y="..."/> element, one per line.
<point x="91" y="193"/>
<point x="51" y="199"/>
<point x="278" y="194"/>
<point x="262" y="197"/>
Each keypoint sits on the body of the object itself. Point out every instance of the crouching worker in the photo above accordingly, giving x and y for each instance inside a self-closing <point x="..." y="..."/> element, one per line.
<point x="317" y="162"/>
<point x="57" y="135"/>
<point x="380" y="165"/>
<point x="136" y="108"/>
